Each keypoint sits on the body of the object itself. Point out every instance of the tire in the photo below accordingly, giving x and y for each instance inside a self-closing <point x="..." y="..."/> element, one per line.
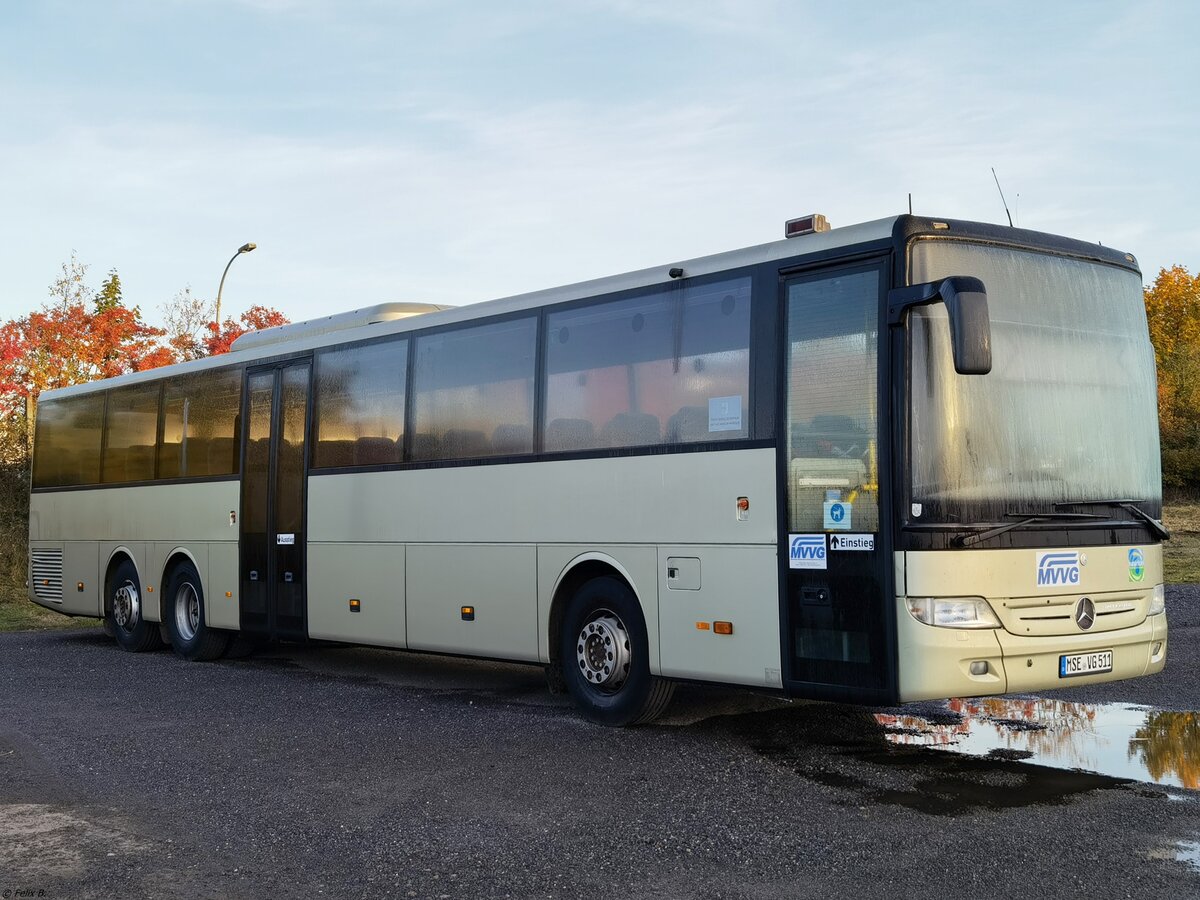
<point x="183" y="614"/>
<point x="123" y="611"/>
<point x="605" y="656"/>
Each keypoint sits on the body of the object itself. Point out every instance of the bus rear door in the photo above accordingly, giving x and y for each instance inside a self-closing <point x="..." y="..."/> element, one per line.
<point x="274" y="488"/>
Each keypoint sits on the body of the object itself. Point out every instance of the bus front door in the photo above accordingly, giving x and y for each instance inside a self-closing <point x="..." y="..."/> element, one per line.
<point x="838" y="634"/>
<point x="273" y="521"/>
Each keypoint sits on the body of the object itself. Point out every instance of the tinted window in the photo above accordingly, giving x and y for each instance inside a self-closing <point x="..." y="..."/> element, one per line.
<point x="130" y="430"/>
<point x="832" y="360"/>
<point x="669" y="367"/>
<point x="200" y="424"/>
<point x="67" y="444"/>
<point x="474" y="391"/>
<point x="360" y="405"/>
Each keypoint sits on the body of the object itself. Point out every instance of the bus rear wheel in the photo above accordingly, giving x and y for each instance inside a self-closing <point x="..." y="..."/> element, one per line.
<point x="123" y="611"/>
<point x="191" y="638"/>
<point x="605" y="656"/>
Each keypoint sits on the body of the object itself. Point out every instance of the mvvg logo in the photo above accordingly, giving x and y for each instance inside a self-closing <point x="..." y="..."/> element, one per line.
<point x="1058" y="569"/>
<point x="807" y="551"/>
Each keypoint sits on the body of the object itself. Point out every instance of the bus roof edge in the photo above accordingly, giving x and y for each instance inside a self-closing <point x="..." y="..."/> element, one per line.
<point x="355" y="318"/>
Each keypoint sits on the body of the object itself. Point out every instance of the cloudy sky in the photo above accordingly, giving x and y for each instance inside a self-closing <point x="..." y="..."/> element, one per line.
<point x="459" y="151"/>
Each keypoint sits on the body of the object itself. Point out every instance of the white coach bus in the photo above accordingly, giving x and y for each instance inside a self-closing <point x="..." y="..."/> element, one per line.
<point x="901" y="460"/>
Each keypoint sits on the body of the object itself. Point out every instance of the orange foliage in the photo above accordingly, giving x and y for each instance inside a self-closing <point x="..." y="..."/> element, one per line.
<point x="67" y="344"/>
<point x="253" y="319"/>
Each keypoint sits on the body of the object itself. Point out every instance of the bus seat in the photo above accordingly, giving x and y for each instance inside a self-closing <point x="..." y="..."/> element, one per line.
<point x="631" y="429"/>
<point x="220" y="456"/>
<point x="426" y="446"/>
<point x="139" y="464"/>
<point x="114" y="466"/>
<point x="375" y="451"/>
<point x="688" y="426"/>
<point x="168" y="461"/>
<point x="512" y="439"/>
<point x="570" y="434"/>
<point x="196" y="457"/>
<point x="335" y="453"/>
<point x="463" y="443"/>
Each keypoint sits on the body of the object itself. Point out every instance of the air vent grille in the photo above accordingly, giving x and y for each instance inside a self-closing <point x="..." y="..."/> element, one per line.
<point x="47" y="573"/>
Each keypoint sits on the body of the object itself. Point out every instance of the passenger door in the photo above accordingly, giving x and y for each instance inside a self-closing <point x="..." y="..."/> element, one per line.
<point x="274" y="482"/>
<point x="837" y="627"/>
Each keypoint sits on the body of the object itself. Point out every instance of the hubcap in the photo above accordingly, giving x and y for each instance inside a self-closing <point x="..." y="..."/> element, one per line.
<point x="187" y="611"/>
<point x="602" y="651"/>
<point x="126" y="606"/>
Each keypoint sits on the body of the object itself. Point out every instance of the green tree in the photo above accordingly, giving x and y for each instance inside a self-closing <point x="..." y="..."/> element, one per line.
<point x="109" y="296"/>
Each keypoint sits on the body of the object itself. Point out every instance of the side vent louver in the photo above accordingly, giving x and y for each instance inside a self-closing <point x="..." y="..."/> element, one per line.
<point x="47" y="573"/>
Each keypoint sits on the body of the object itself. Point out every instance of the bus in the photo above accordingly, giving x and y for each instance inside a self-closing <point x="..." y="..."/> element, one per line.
<point x="903" y="460"/>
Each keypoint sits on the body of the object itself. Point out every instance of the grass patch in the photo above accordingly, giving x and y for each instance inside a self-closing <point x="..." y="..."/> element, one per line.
<point x="1181" y="554"/>
<point x="26" y="616"/>
<point x="18" y="613"/>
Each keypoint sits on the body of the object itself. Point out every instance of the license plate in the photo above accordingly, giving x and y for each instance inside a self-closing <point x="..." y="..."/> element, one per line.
<point x="1085" y="663"/>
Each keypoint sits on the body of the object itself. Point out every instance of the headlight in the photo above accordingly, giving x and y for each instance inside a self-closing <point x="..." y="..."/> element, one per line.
<point x="953" y="612"/>
<point x="1158" y="601"/>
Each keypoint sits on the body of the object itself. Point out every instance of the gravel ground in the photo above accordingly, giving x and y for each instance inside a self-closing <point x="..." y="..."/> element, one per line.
<point x="314" y="771"/>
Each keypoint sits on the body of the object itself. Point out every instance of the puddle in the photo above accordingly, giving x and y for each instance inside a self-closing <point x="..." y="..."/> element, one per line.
<point x="1188" y="852"/>
<point x="844" y="748"/>
<point x="1116" y="740"/>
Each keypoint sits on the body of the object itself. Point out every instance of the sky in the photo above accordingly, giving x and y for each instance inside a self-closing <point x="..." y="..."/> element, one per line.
<point x="452" y="152"/>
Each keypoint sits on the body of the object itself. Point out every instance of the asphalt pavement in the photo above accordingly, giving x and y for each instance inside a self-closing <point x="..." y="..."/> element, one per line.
<point x="314" y="771"/>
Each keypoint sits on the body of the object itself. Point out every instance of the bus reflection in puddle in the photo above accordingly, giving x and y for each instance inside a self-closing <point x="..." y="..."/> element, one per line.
<point x="1119" y="740"/>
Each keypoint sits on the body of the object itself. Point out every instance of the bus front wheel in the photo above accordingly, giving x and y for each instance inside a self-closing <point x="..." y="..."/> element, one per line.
<point x="605" y="656"/>
<point x="191" y="638"/>
<point x="123" y="613"/>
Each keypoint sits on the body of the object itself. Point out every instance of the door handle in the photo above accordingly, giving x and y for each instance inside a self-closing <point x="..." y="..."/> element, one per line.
<point x="287" y="577"/>
<point x="254" y="574"/>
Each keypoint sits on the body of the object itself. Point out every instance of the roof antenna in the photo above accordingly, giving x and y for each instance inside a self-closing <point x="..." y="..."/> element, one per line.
<point x="910" y="203"/>
<point x="1002" y="200"/>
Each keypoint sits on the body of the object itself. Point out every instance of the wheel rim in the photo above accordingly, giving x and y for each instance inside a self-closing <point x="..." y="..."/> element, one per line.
<point x="602" y="651"/>
<point x="187" y="611"/>
<point x="127" y="606"/>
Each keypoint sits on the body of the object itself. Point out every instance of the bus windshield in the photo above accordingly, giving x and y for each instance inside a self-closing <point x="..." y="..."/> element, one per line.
<point x="1068" y="412"/>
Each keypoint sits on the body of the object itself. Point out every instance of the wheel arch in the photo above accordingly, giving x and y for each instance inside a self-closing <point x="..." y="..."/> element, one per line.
<point x="120" y="554"/>
<point x="580" y="570"/>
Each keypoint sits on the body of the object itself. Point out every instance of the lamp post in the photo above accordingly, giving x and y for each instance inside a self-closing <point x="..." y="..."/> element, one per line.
<point x="245" y="248"/>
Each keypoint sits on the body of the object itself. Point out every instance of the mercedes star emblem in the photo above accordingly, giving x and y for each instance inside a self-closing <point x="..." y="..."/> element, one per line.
<point x="1085" y="613"/>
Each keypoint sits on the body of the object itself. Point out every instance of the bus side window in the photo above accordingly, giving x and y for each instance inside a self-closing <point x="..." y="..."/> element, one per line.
<point x="67" y="441"/>
<point x="671" y="366"/>
<point x="468" y="383"/>
<point x="130" y="427"/>
<point x="200" y="415"/>
<point x="360" y="405"/>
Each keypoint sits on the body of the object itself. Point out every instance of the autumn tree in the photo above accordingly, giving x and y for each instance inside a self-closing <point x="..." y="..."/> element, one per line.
<point x="255" y="318"/>
<point x="76" y="337"/>
<point x="1173" y="314"/>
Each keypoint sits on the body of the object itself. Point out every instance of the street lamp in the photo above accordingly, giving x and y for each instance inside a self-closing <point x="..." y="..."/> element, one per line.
<point x="245" y="248"/>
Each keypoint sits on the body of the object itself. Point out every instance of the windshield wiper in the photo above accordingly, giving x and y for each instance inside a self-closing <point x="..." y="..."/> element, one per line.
<point x="1157" y="528"/>
<point x="966" y="540"/>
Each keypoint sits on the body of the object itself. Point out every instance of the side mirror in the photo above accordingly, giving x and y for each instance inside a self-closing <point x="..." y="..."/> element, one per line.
<point x="967" y="307"/>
